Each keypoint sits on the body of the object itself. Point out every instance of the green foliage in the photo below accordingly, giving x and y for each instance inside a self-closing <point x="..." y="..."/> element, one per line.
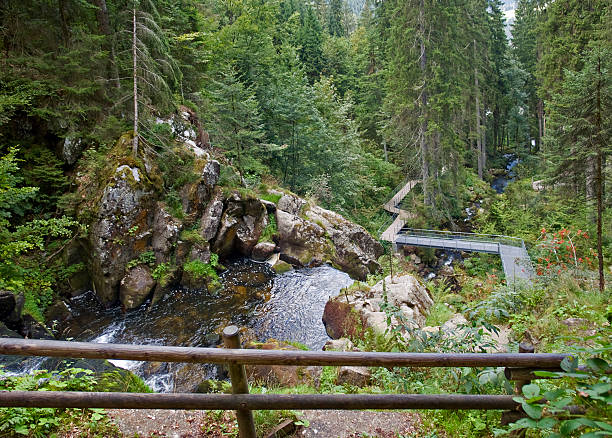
<point x="590" y="389"/>
<point x="144" y="258"/>
<point x="271" y="197"/>
<point x="191" y="236"/>
<point x="270" y="230"/>
<point x="44" y="421"/>
<point x="201" y="270"/>
<point x="28" y="248"/>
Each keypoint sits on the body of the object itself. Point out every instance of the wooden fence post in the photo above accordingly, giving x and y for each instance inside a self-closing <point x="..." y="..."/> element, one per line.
<point x="240" y="385"/>
<point x="513" y="416"/>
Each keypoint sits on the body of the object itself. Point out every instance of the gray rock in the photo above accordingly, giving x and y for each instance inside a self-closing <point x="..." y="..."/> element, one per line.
<point x="7" y="304"/>
<point x="356" y="251"/>
<point x="344" y="312"/>
<point x="342" y="344"/>
<point x="291" y="204"/>
<point x="406" y="293"/>
<point x="263" y="250"/>
<point x="241" y="225"/>
<point x="209" y="223"/>
<point x="211" y="173"/>
<point x="201" y="252"/>
<point x="136" y="287"/>
<point x="165" y="233"/>
<point x="121" y="230"/>
<point x="72" y="148"/>
<point x="354" y="376"/>
<point x="300" y="239"/>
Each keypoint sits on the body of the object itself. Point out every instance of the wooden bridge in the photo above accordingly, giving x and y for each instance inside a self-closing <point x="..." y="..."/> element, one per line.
<point x="515" y="259"/>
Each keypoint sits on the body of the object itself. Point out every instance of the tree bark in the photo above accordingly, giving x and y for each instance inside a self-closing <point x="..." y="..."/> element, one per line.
<point x="478" y="135"/>
<point x="599" y="180"/>
<point x="105" y="29"/>
<point x="424" y="122"/>
<point x="135" y="78"/>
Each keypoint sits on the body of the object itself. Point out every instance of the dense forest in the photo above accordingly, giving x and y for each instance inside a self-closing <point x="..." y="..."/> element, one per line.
<point x="336" y="101"/>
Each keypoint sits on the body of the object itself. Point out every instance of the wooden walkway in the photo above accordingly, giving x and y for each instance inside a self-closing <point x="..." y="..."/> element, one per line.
<point x="515" y="259"/>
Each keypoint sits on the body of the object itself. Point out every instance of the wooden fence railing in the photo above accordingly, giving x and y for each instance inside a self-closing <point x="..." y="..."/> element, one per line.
<point x="519" y="367"/>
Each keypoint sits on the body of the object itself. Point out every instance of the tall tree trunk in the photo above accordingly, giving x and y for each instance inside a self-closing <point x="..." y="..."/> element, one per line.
<point x="599" y="179"/>
<point x="63" y="21"/>
<point x="135" y="78"/>
<point x="478" y="134"/>
<point x="540" y="110"/>
<point x="424" y="122"/>
<point x="483" y="142"/>
<point x="105" y="29"/>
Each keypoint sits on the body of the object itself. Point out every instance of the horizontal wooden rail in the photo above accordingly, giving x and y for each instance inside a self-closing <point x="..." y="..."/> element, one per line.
<point x="121" y="400"/>
<point x="155" y="353"/>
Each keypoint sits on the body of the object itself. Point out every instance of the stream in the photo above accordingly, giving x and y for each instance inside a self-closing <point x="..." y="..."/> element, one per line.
<point x="287" y="307"/>
<point x="499" y="184"/>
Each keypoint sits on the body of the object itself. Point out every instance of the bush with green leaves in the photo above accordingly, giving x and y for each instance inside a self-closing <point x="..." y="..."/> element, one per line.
<point x="29" y="248"/>
<point x="41" y="422"/>
<point x="577" y="402"/>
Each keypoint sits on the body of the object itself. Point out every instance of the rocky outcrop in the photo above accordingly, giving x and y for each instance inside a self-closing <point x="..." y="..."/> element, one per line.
<point x="132" y="221"/>
<point x="301" y="241"/>
<point x="136" y="287"/>
<point x="241" y="225"/>
<point x="165" y="233"/>
<point x="354" y="376"/>
<point x="356" y="252"/>
<point x="122" y="229"/>
<point x="350" y="312"/>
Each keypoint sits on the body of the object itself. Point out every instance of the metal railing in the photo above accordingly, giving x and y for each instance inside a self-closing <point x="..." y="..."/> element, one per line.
<point x="455" y="235"/>
<point x="519" y="367"/>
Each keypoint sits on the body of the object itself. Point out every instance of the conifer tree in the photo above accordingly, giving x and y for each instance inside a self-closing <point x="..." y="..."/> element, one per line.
<point x="581" y="126"/>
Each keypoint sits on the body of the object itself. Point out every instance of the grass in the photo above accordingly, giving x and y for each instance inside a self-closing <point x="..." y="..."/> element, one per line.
<point x="270" y="230"/>
<point x="271" y="197"/>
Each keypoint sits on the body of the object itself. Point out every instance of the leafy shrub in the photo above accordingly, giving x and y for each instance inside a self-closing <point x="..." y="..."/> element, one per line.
<point x="145" y="258"/>
<point x="41" y="422"/>
<point x="199" y="269"/>
<point x="590" y="389"/>
<point x="270" y="230"/>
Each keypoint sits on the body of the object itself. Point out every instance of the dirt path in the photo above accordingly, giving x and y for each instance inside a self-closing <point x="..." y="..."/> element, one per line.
<point x="323" y="424"/>
<point x="345" y="424"/>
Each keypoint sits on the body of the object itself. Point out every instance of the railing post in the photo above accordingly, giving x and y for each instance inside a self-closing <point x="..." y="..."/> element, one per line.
<point x="240" y="385"/>
<point x="513" y="416"/>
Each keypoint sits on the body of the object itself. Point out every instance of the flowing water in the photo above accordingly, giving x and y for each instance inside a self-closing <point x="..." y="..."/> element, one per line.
<point x="500" y="183"/>
<point x="288" y="307"/>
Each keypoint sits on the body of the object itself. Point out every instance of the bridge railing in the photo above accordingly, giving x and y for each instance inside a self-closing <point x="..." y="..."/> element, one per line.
<point x="519" y="368"/>
<point x="455" y="235"/>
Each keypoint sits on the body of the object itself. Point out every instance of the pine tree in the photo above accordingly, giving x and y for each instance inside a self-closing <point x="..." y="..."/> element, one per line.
<point x="581" y="126"/>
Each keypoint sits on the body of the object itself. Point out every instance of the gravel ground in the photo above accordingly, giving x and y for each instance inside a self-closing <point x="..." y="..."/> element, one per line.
<point x="345" y="424"/>
<point x="323" y="424"/>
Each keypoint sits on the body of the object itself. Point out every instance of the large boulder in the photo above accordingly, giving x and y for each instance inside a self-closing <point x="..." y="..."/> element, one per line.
<point x="263" y="250"/>
<point x="241" y="225"/>
<point x="356" y="251"/>
<point x="165" y="233"/>
<point x="356" y="310"/>
<point x="7" y="304"/>
<point x="121" y="229"/>
<point x="291" y="204"/>
<point x="136" y="287"/>
<point x="301" y="240"/>
<point x="211" y="218"/>
<point x="281" y="375"/>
